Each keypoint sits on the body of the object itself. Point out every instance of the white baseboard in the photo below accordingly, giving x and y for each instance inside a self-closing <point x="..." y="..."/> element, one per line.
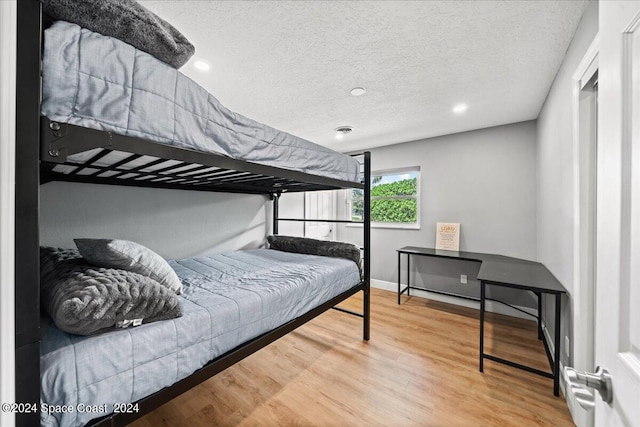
<point x="490" y="305"/>
<point x="547" y="335"/>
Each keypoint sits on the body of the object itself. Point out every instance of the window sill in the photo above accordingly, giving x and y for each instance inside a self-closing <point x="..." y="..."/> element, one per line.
<point x="387" y="225"/>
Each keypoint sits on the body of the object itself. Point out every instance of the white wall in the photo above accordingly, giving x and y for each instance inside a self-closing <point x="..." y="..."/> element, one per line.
<point x="556" y="161"/>
<point x="8" y="13"/>
<point x="556" y="170"/>
<point x="484" y="179"/>
<point x="174" y="223"/>
<point x="291" y="205"/>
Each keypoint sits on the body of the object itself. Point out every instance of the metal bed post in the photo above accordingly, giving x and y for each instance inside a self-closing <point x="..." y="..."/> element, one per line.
<point x="367" y="245"/>
<point x="276" y="199"/>
<point x="27" y="187"/>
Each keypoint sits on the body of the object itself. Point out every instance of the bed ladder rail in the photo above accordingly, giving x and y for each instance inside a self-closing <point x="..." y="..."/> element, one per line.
<point x="351" y="312"/>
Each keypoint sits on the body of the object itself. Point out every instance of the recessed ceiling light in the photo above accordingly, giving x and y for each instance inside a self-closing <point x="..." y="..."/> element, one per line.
<point x="201" y="65"/>
<point x="460" y="108"/>
<point x="357" y="91"/>
<point x="341" y="131"/>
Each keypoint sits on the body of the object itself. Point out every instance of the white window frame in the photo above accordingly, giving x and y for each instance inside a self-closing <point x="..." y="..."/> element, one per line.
<point x="392" y="225"/>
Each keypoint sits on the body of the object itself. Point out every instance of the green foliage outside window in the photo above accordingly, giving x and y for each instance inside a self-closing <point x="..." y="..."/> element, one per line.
<point x="391" y="202"/>
<point x="357" y="205"/>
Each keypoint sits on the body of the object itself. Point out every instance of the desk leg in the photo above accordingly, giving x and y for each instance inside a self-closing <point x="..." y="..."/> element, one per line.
<point x="539" y="315"/>
<point x="482" y="291"/>
<point x="399" y="275"/>
<point x="408" y="273"/>
<point x="556" y="360"/>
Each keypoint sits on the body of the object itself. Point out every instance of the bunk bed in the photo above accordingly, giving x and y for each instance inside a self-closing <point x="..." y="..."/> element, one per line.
<point x="50" y="150"/>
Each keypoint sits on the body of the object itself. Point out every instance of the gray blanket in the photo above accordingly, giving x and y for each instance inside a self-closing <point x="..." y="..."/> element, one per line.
<point x="83" y="299"/>
<point x="128" y="21"/>
<point x="117" y="88"/>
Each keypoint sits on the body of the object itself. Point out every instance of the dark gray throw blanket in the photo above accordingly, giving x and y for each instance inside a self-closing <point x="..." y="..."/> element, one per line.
<point x="83" y="299"/>
<point x="304" y="245"/>
<point x="128" y="21"/>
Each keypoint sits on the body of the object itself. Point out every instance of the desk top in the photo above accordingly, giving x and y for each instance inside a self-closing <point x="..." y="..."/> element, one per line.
<point x="500" y="270"/>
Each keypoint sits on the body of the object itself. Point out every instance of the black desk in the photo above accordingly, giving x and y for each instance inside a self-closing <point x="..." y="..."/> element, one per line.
<point x="498" y="270"/>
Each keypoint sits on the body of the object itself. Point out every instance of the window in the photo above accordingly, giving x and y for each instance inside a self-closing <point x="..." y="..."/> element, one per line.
<point x="394" y="198"/>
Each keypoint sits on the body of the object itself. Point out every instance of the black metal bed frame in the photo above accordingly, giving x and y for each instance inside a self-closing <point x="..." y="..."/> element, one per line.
<point x="44" y="151"/>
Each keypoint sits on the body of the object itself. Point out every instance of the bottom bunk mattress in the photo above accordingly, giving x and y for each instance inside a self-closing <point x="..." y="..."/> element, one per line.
<point x="227" y="299"/>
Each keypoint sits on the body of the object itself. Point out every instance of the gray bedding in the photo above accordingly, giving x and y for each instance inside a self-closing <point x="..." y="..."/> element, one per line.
<point x="99" y="82"/>
<point x="128" y="21"/>
<point x="227" y="299"/>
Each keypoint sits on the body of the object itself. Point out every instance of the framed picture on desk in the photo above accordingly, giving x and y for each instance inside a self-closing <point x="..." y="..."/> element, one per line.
<point x="448" y="236"/>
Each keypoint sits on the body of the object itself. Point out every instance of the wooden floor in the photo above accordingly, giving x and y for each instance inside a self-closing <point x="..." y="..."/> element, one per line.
<point x="420" y="368"/>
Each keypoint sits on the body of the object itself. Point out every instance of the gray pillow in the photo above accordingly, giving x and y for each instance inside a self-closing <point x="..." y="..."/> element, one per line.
<point x="308" y="246"/>
<point x="130" y="256"/>
<point x="82" y="299"/>
<point x="128" y="21"/>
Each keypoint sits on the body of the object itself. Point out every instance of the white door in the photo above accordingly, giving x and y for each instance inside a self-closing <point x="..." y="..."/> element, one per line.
<point x="618" y="216"/>
<point x="319" y="205"/>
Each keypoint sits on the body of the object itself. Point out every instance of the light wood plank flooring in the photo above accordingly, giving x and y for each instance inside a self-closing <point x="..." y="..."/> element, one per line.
<point x="420" y="368"/>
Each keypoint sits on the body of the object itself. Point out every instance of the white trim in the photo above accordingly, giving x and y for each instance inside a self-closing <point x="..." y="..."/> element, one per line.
<point x="583" y="295"/>
<point x="547" y="335"/>
<point x="395" y="171"/>
<point x="8" y="34"/>
<point x="584" y="73"/>
<point x="490" y="305"/>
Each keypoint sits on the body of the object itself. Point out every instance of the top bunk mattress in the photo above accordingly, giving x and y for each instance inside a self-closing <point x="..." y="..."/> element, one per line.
<point x="100" y="82"/>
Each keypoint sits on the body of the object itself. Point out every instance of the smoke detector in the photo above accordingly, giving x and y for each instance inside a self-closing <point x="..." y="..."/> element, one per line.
<point x="341" y="131"/>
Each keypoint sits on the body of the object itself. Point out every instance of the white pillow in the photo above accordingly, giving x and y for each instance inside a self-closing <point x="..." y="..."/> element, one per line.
<point x="131" y="256"/>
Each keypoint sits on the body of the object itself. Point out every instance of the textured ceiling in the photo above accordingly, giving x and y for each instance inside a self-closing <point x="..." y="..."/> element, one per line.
<point x="292" y="64"/>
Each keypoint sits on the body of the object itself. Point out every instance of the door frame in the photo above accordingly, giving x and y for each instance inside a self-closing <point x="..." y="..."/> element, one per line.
<point x="8" y="43"/>
<point x="583" y="323"/>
